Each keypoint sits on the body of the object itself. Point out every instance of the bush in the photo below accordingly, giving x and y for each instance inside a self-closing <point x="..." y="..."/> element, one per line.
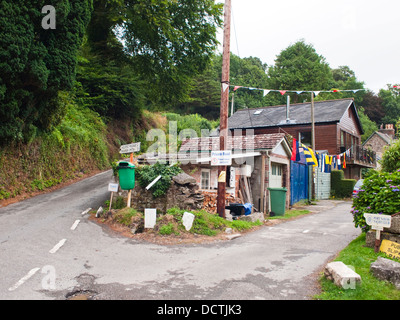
<point x="340" y="187"/>
<point x="146" y="174"/>
<point x="380" y="194"/>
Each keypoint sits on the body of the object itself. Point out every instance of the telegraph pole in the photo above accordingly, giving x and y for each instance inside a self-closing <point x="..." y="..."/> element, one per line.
<point x="223" y="135"/>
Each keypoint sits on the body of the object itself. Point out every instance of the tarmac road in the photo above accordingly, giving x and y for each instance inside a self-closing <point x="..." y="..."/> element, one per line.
<point x="49" y="250"/>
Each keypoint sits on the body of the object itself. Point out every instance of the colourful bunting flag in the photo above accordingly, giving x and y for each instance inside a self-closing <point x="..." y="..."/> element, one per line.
<point x="295" y="151"/>
<point x="310" y="157"/>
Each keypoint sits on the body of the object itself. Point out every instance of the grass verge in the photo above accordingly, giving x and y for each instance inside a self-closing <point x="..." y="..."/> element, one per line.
<point x="360" y="257"/>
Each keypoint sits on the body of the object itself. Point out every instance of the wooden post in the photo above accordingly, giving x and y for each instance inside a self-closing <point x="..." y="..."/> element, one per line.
<point x="262" y="193"/>
<point x="224" y="105"/>
<point x="312" y="144"/>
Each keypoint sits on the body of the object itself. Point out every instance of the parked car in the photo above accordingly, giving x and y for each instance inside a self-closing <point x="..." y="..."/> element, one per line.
<point x="358" y="186"/>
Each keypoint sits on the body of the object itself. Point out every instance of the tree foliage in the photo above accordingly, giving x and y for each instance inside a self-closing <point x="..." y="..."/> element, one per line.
<point x="300" y="67"/>
<point x="36" y="63"/>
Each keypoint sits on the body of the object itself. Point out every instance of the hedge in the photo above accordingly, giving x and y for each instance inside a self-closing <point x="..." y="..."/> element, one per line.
<point x="340" y="187"/>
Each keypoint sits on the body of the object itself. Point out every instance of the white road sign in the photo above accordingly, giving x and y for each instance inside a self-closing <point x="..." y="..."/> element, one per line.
<point x="378" y="220"/>
<point x="113" y="187"/>
<point x="221" y="158"/>
<point x="130" y="148"/>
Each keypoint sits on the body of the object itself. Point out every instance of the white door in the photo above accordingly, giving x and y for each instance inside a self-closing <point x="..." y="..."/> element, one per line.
<point x="275" y="176"/>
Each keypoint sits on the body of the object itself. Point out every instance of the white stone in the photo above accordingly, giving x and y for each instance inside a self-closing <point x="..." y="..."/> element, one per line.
<point x="150" y="216"/>
<point x="342" y="275"/>
<point x="187" y="220"/>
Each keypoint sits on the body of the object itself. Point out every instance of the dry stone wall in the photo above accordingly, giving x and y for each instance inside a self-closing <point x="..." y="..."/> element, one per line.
<point x="184" y="193"/>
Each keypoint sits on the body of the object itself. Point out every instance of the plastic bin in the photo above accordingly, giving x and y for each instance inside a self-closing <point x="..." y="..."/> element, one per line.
<point x="278" y="200"/>
<point x="126" y="172"/>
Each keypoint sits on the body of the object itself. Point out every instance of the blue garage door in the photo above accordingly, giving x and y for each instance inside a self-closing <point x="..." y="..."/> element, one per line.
<point x="298" y="182"/>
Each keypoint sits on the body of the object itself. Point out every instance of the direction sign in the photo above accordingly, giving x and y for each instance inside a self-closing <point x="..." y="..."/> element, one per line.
<point x="130" y="148"/>
<point x="378" y="220"/>
<point x="221" y="158"/>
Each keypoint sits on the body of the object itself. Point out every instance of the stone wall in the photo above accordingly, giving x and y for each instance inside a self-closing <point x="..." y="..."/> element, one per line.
<point x="184" y="193"/>
<point x="391" y="234"/>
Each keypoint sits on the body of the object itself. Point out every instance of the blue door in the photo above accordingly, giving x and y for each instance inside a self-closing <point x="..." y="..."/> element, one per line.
<point x="298" y="182"/>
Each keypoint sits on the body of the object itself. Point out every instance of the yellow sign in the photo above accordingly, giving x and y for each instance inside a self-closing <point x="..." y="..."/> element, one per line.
<point x="392" y="249"/>
<point x="222" y="176"/>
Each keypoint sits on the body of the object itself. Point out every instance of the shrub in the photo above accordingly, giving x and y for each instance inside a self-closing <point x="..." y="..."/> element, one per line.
<point x="340" y="187"/>
<point x="146" y="174"/>
<point x="380" y="194"/>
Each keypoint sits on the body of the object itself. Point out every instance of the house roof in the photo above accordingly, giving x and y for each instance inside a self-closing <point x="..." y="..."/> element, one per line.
<point x="299" y="114"/>
<point x="386" y="138"/>
<point x="247" y="142"/>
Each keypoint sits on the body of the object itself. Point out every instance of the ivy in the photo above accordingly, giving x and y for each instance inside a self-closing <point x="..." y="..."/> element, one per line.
<point x="146" y="175"/>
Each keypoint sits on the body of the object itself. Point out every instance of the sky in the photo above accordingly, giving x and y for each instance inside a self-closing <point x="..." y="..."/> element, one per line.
<point x="361" y="34"/>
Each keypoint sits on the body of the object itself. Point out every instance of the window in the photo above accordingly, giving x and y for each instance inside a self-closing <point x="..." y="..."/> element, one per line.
<point x="276" y="170"/>
<point x="305" y="138"/>
<point x="205" y="179"/>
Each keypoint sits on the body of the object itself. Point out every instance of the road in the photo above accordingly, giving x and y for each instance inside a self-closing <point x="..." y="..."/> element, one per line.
<point x="49" y="250"/>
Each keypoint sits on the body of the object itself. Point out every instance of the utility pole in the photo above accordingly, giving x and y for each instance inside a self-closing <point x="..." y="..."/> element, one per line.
<point x="223" y="135"/>
<point x="312" y="144"/>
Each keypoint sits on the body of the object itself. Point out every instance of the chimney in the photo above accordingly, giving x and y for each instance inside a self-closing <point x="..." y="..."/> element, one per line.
<point x="389" y="130"/>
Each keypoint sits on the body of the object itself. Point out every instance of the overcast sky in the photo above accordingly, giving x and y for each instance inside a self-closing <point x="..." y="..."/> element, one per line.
<point x="362" y="34"/>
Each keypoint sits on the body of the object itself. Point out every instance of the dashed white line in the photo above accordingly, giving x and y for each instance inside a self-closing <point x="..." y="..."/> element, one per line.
<point x="58" y="246"/>
<point x="75" y="224"/>
<point x="23" y="279"/>
<point x="306" y="231"/>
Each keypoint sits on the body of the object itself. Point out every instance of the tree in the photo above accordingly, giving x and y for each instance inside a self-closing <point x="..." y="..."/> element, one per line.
<point x="373" y="106"/>
<point x="36" y="63"/>
<point x="300" y="67"/>
<point x="391" y="103"/>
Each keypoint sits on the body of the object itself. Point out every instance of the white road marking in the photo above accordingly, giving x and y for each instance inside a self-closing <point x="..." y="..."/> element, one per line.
<point x="58" y="246"/>
<point x="25" y="278"/>
<point x="75" y="224"/>
<point x="306" y="231"/>
<point x="86" y="211"/>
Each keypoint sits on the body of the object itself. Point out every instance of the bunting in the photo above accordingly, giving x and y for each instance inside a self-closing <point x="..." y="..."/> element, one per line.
<point x="309" y="155"/>
<point x="283" y="92"/>
<point x="295" y="151"/>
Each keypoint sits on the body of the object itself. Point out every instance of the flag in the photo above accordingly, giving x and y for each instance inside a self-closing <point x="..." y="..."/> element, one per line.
<point x="282" y="92"/>
<point x="310" y="157"/>
<point x="295" y="151"/>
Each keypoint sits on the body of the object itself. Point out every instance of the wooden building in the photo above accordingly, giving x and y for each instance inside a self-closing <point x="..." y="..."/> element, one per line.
<point x="337" y="129"/>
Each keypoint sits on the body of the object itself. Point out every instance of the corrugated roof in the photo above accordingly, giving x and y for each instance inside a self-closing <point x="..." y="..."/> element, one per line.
<point x="250" y="142"/>
<point x="299" y="113"/>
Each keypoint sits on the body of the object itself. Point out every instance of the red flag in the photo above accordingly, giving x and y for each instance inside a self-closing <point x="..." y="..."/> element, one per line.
<point x="295" y="151"/>
<point x="282" y="92"/>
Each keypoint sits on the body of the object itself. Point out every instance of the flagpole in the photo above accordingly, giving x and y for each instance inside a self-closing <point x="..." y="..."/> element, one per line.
<point x="312" y="144"/>
<point x="223" y="137"/>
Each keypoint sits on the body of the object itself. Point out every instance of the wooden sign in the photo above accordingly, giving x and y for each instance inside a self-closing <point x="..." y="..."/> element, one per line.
<point x="377" y="223"/>
<point x="392" y="249"/>
<point x="378" y="220"/>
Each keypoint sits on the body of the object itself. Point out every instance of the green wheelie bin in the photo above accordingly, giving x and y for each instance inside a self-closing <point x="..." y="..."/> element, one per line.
<point x="126" y="172"/>
<point x="278" y="200"/>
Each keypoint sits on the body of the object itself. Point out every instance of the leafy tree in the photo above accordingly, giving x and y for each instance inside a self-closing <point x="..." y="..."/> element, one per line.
<point x="36" y="63"/>
<point x="168" y="41"/>
<point x="373" y="106"/>
<point x="391" y="103"/>
<point x="391" y="158"/>
<point x="368" y="125"/>
<point x="300" y="67"/>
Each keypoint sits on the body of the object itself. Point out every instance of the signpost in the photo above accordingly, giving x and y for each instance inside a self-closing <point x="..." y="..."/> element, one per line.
<point x="130" y="148"/>
<point x="112" y="187"/>
<point x="221" y="158"/>
<point x="377" y="223"/>
<point x="392" y="249"/>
